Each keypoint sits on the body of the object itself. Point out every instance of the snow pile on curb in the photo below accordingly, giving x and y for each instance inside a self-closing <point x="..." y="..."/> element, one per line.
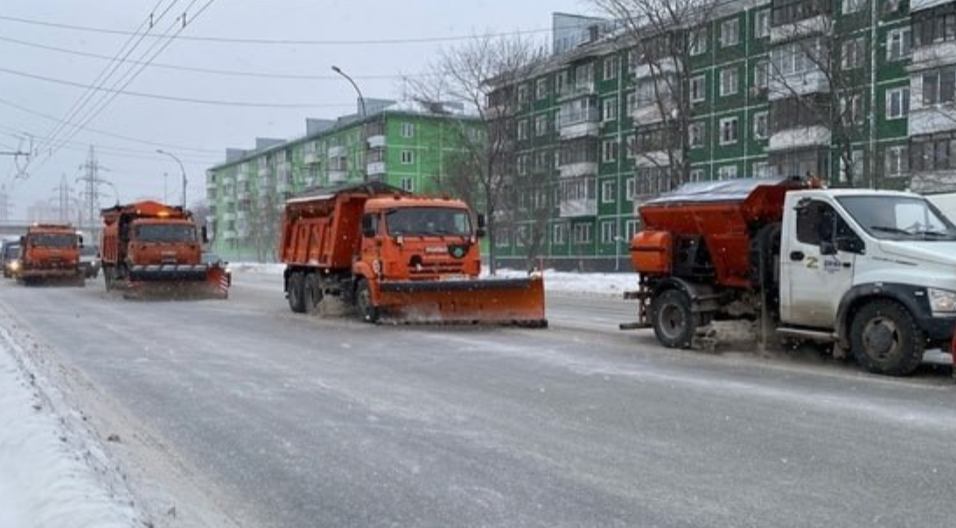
<point x="51" y="473"/>
<point x="554" y="281"/>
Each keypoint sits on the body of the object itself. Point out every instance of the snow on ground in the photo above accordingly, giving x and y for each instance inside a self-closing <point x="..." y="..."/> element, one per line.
<point x="47" y="462"/>
<point x="554" y="281"/>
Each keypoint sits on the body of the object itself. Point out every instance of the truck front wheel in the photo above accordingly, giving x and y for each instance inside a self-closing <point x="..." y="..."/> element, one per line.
<point x="884" y="339"/>
<point x="363" y="301"/>
<point x="673" y="319"/>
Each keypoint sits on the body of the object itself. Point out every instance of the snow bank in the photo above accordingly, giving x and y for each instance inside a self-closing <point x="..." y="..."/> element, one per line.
<point x="554" y="281"/>
<point x="46" y="475"/>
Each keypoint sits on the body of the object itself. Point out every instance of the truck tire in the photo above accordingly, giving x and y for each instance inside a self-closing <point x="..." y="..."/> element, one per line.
<point x="673" y="320"/>
<point x="312" y="294"/>
<point x="884" y="339"/>
<point x="363" y="302"/>
<point x="296" y="293"/>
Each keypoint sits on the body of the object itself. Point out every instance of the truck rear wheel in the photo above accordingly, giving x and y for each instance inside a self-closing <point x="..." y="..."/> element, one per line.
<point x="296" y="292"/>
<point x="884" y="339"/>
<point x="673" y="320"/>
<point x="363" y="302"/>
<point x="312" y="294"/>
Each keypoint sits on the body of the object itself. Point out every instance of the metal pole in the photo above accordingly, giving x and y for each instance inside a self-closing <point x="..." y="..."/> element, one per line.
<point x="339" y="71"/>
<point x="181" y="169"/>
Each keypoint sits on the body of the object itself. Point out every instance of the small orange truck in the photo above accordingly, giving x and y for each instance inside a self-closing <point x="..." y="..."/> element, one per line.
<point x="149" y="247"/>
<point x="396" y="255"/>
<point x="50" y="253"/>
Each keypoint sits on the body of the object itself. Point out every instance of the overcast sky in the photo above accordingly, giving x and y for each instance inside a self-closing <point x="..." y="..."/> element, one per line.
<point x="347" y="33"/>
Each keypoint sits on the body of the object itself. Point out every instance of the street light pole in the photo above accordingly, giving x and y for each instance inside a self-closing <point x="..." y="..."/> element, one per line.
<point x="181" y="169"/>
<point x="339" y="71"/>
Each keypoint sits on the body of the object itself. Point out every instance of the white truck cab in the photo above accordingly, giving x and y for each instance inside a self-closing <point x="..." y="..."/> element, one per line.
<point x="875" y="270"/>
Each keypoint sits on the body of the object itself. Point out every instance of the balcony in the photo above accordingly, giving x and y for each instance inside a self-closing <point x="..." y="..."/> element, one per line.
<point x="932" y="118"/>
<point x="338" y="151"/>
<point x="579" y="168"/>
<point x="667" y="66"/>
<point x="933" y="56"/>
<point x="796" y="138"/>
<point x="581" y="123"/>
<point x="376" y="141"/>
<point x="578" y="207"/>
<point x="818" y="25"/>
<point x="338" y="176"/>
<point x="797" y="84"/>
<point x="919" y="5"/>
<point x="377" y="167"/>
<point x="578" y="90"/>
<point x="242" y="176"/>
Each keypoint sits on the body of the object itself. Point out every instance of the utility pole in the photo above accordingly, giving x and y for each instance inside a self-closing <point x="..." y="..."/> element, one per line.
<point x="64" y="195"/>
<point x="91" y="190"/>
<point x="4" y="204"/>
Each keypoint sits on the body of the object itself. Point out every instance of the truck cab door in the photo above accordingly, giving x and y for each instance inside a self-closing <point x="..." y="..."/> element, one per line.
<point x="817" y="264"/>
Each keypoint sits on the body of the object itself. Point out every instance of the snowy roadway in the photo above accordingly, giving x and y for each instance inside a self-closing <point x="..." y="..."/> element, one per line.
<point x="240" y="413"/>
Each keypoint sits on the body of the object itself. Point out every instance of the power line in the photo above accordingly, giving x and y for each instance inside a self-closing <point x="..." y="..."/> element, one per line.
<point x="108" y="134"/>
<point x="215" y="102"/>
<point x="215" y="71"/>
<point x="230" y="40"/>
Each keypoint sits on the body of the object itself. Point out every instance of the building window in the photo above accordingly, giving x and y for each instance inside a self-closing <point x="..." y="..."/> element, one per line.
<point x="934" y="25"/>
<point x="609" y="109"/>
<point x="559" y="234"/>
<point x="897" y="102"/>
<point x="933" y="153"/>
<point x="761" y="169"/>
<point x="608" y="231"/>
<point x="630" y="188"/>
<point x="522" y="164"/>
<point x="632" y="226"/>
<point x="522" y="93"/>
<point x="631" y="102"/>
<point x="408" y="157"/>
<point x="762" y="23"/>
<point x="561" y="82"/>
<point x="541" y="88"/>
<point x="761" y="129"/>
<point x="728" y="81"/>
<point x="898" y="43"/>
<point x="696" y="175"/>
<point x="798" y="57"/>
<point x="728" y="130"/>
<point x="849" y="172"/>
<point x="408" y="130"/>
<point x="523" y="129"/>
<point x="582" y="233"/>
<point x="698" y="43"/>
<point x="698" y="88"/>
<point x="540" y="125"/>
<point x="897" y="160"/>
<point x="408" y="185"/>
<point x="607" y="191"/>
<point x="852" y="6"/>
<point x="729" y="32"/>
<point x="854" y="52"/>
<point x="939" y="85"/>
<point x="503" y="239"/>
<point x="762" y="75"/>
<point x="610" y="68"/>
<point x="609" y="151"/>
<point x="630" y="147"/>
<point x="695" y="133"/>
<point x="851" y="107"/>
<point x="727" y="172"/>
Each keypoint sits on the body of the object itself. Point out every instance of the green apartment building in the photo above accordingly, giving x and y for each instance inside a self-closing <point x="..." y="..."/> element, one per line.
<point x="404" y="147"/>
<point x="770" y="88"/>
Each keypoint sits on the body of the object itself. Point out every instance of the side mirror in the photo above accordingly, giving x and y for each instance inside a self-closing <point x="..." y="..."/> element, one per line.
<point x="368" y="226"/>
<point x="851" y="245"/>
<point x="827" y="247"/>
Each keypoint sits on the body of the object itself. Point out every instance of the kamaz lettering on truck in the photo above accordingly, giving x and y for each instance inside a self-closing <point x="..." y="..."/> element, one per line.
<point x="873" y="272"/>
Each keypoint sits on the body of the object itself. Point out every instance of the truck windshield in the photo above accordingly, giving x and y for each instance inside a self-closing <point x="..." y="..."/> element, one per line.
<point x="899" y="217"/>
<point x="165" y="233"/>
<point x="425" y="221"/>
<point x="53" y="240"/>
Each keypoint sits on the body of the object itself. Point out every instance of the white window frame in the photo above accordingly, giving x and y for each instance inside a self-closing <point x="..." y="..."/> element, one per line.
<point x="609" y="150"/>
<point x="896" y="160"/>
<point x="762" y="74"/>
<point x="698" y="88"/>
<point x="559" y="234"/>
<point x="730" y="32"/>
<point x="522" y="129"/>
<point x="631" y="227"/>
<point x="901" y="96"/>
<point x="541" y="88"/>
<point x="630" y="188"/>
<point x="698" y="46"/>
<point x="696" y="175"/>
<point x="853" y="53"/>
<point x="608" y="231"/>
<point x="408" y="129"/>
<point x="726" y="126"/>
<point x="540" y="125"/>
<point x="408" y="157"/>
<point x="408" y="184"/>
<point x="581" y="234"/>
<point x="761" y="169"/>
<point x="762" y="23"/>
<point x="609" y="68"/>
<point x="695" y="134"/>
<point x="761" y="122"/>
<point x="899" y="43"/>
<point x="852" y="6"/>
<point x="609" y="109"/>
<point x="608" y="194"/>
<point x="729" y="81"/>
<point x="727" y="172"/>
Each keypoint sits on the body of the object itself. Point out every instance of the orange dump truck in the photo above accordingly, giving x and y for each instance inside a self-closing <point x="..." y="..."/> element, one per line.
<point x="50" y="253"/>
<point x="393" y="254"/>
<point x="151" y="247"/>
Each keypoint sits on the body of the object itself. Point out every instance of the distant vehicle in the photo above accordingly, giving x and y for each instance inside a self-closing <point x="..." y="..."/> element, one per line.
<point x="90" y="261"/>
<point x="50" y="253"/>
<point x="212" y="259"/>
<point x="10" y="255"/>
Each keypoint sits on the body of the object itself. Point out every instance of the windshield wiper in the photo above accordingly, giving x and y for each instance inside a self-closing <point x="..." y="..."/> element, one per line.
<point x="891" y="229"/>
<point x="936" y="234"/>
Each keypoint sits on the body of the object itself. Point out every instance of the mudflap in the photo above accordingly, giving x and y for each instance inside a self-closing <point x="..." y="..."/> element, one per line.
<point x="518" y="302"/>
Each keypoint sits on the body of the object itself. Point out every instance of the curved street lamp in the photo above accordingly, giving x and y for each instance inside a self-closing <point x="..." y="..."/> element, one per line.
<point x="181" y="169"/>
<point x="339" y="71"/>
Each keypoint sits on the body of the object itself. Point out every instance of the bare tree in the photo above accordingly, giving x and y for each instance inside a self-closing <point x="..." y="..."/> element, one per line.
<point x="662" y="35"/>
<point x="483" y="74"/>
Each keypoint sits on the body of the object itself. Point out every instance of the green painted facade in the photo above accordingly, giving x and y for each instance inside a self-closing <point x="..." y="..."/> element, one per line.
<point x="411" y="150"/>
<point x="746" y="114"/>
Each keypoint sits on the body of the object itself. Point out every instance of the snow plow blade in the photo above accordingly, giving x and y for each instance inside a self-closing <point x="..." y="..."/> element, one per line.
<point x="518" y="302"/>
<point x="212" y="283"/>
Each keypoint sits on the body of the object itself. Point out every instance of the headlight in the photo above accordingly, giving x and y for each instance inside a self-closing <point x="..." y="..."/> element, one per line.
<point x="942" y="301"/>
<point x="15" y="265"/>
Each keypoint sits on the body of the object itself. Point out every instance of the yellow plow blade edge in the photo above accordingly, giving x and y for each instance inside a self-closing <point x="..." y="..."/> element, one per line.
<point x="494" y="301"/>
